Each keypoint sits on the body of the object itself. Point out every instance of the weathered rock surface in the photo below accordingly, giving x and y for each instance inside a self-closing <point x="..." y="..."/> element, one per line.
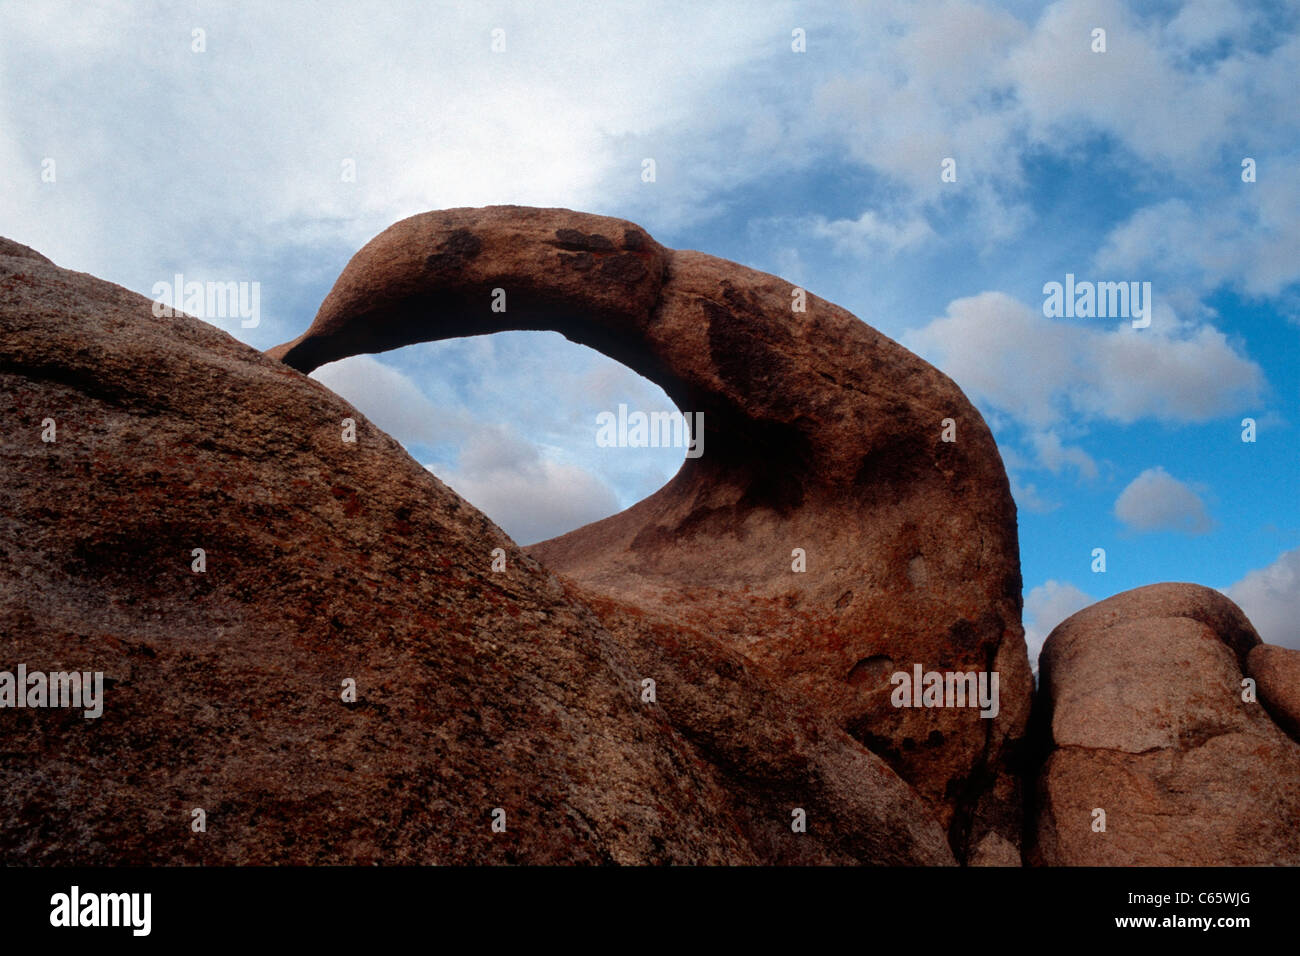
<point x="820" y="434"/>
<point x="1276" y="671"/>
<point x="1142" y="693"/>
<point x="327" y="561"/>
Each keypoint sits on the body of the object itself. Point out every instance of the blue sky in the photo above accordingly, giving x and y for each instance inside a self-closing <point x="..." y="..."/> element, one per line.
<point x="821" y="166"/>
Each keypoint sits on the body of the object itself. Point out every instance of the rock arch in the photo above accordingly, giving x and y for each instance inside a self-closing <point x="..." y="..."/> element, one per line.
<point x="820" y="433"/>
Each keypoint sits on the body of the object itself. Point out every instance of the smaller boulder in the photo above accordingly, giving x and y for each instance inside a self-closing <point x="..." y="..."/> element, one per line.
<point x="1157" y="756"/>
<point x="1276" y="671"/>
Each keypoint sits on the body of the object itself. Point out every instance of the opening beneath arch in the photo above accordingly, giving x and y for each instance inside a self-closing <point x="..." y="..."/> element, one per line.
<point x="510" y="420"/>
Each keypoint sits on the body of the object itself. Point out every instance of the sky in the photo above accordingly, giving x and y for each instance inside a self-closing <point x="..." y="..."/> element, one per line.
<point x="930" y="166"/>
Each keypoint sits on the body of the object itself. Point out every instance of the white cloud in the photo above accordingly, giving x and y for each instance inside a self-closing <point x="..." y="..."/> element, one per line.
<point x="253" y="131"/>
<point x="393" y="401"/>
<point x="1247" y="236"/>
<point x="1066" y="89"/>
<point x="181" y="146"/>
<point x="1203" y="22"/>
<point x="924" y="93"/>
<point x="870" y="234"/>
<point x="531" y="497"/>
<point x="1047" y="606"/>
<point x="1270" y="597"/>
<point x="1044" y="372"/>
<point x="1157" y="501"/>
<point x="959" y="79"/>
<point x="1054" y="455"/>
<point x="1053" y="376"/>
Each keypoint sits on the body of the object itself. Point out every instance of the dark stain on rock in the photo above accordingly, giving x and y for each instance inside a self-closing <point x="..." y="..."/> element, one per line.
<point x="745" y="362"/>
<point x="963" y="635"/>
<point x="574" y="241"/>
<point x="625" y="268"/>
<point x="461" y="246"/>
<point x="889" y="466"/>
<point x="582" y="261"/>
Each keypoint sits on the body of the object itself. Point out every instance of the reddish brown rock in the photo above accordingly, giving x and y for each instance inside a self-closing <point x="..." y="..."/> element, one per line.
<point x="820" y="434"/>
<point x="328" y="561"/>
<point x="1276" y="671"/>
<point x="1143" y="697"/>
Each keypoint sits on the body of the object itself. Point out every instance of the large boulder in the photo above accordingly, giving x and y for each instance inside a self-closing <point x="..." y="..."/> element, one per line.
<point x="1159" y="755"/>
<point x="825" y="444"/>
<point x="326" y="562"/>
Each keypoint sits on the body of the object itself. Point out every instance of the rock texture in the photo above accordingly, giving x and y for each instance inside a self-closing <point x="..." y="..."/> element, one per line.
<point x="328" y="561"/>
<point x="1142" y="696"/>
<point x="1276" y="671"/>
<point x="820" y="434"/>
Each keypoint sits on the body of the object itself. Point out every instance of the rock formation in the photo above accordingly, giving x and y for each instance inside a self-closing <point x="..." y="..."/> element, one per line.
<point x="1276" y="671"/>
<point x="683" y="682"/>
<point x="325" y="562"/>
<point x="820" y="434"/>
<point x="1149" y="725"/>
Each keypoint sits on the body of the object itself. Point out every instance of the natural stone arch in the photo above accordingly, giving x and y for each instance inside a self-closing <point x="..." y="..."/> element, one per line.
<point x="820" y="433"/>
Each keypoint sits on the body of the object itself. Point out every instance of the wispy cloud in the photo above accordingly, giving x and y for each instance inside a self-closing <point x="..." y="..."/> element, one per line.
<point x="1157" y="501"/>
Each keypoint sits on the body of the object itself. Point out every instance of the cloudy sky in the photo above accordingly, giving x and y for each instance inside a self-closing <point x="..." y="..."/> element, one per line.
<point x="139" y="140"/>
